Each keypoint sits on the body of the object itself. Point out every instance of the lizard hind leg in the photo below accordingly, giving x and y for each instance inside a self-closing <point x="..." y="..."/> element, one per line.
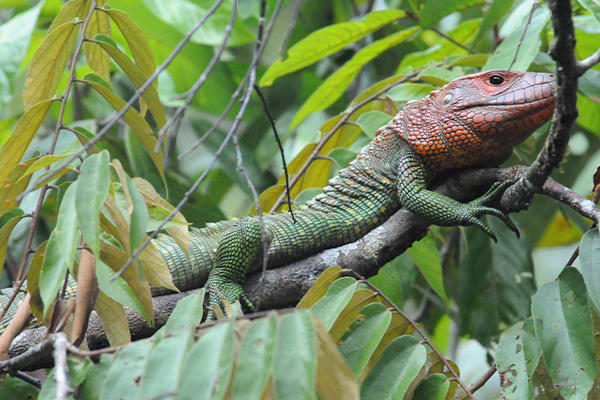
<point x="238" y="251"/>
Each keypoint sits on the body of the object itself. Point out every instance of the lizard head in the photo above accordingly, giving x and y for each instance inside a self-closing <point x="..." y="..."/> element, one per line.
<point x="477" y="119"/>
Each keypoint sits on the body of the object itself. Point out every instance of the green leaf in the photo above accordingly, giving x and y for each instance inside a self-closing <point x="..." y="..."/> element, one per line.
<point x="92" y="385"/>
<point x="139" y="216"/>
<point x="360" y="345"/>
<point x="42" y="162"/>
<point x="48" y="64"/>
<point x="126" y="369"/>
<point x="15" y="35"/>
<point x="563" y="327"/>
<point x="14" y="148"/>
<point x="295" y="357"/>
<point x="410" y="91"/>
<point x="118" y="290"/>
<point x="329" y="307"/>
<point x="511" y="364"/>
<point x="342" y="158"/>
<point x="527" y="46"/>
<point x="426" y="256"/>
<point x="335" y="85"/>
<point x="371" y="121"/>
<point x="592" y="6"/>
<point x="434" y="387"/>
<point x="255" y="359"/>
<point x="16" y="388"/>
<point x="207" y="372"/>
<point x="165" y="365"/>
<point x="434" y="10"/>
<point x="492" y="16"/>
<point x="94" y="181"/>
<point x="438" y="76"/>
<point x="589" y="254"/>
<point x="400" y="363"/>
<point x="187" y="313"/>
<point x="182" y="15"/>
<point x="61" y="248"/>
<point x="326" y="41"/>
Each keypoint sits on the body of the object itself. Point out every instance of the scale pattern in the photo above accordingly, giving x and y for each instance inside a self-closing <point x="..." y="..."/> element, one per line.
<point x="475" y="120"/>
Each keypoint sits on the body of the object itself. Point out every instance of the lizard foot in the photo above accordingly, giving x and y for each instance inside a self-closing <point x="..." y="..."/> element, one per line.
<point x="473" y="210"/>
<point x="220" y="291"/>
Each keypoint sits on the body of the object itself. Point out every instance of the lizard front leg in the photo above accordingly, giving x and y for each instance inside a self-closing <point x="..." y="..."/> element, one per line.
<point x="239" y="249"/>
<point x="440" y="209"/>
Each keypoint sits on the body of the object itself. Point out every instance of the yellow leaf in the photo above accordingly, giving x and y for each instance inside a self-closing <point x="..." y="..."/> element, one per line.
<point x="136" y="122"/>
<point x="114" y="320"/>
<point x="42" y="162"/>
<point x="14" y="185"/>
<point x="138" y="78"/>
<point x="142" y="53"/>
<point x="178" y="230"/>
<point x="5" y="232"/>
<point x="48" y="64"/>
<point x="320" y="287"/>
<point x="334" y="378"/>
<point x="359" y="300"/>
<point x="115" y="258"/>
<point x="12" y="151"/>
<point x="121" y="231"/>
<point x="33" y="285"/>
<point x="70" y="10"/>
<point x="97" y="59"/>
<point x="156" y="269"/>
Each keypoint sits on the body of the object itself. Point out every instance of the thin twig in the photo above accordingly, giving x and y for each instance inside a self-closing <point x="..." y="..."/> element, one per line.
<point x="278" y="140"/>
<point x="482" y="381"/>
<point x="587" y="63"/>
<point x="291" y="25"/>
<point x="216" y="156"/>
<point x="198" y="84"/>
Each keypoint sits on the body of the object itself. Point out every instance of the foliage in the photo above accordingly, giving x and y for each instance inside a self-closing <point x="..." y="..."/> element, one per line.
<point x="346" y="71"/>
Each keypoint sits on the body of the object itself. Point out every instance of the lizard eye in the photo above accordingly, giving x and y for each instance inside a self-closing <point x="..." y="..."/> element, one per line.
<point x="496" y="80"/>
<point x="448" y="98"/>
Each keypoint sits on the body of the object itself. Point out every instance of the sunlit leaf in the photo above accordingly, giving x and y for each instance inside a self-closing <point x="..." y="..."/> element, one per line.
<point x="335" y="85"/>
<point x="371" y="121"/>
<point x="13" y="149"/>
<point x="434" y="10"/>
<point x="97" y="59"/>
<point x="326" y="41"/>
<point x="522" y="49"/>
<point x="48" y="64"/>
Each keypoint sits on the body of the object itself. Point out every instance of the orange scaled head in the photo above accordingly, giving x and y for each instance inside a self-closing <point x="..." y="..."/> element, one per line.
<point x="477" y="119"/>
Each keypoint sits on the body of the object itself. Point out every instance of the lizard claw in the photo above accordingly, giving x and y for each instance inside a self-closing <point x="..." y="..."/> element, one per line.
<point x="478" y="207"/>
<point x="223" y="292"/>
